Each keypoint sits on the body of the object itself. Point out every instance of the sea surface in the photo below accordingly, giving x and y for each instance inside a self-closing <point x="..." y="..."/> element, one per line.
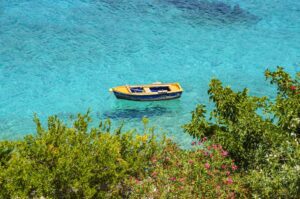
<point x="61" y="57"/>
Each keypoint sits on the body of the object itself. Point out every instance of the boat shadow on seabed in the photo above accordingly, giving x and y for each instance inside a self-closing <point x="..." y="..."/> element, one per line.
<point x="134" y="113"/>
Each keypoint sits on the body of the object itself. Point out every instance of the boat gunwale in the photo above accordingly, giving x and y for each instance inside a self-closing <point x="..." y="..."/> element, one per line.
<point x="148" y="85"/>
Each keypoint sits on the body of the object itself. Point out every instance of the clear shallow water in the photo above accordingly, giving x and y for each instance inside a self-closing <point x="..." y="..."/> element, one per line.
<point x="62" y="57"/>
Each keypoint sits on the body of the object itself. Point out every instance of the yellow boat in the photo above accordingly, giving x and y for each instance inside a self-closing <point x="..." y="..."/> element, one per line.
<point x="148" y="92"/>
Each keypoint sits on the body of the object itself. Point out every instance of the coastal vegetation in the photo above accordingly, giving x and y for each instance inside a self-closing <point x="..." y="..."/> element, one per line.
<point x="247" y="147"/>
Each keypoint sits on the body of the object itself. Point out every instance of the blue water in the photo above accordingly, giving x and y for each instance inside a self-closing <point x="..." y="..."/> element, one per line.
<point x="61" y="57"/>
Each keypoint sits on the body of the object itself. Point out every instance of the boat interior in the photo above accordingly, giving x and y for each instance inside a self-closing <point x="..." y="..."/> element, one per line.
<point x="153" y="89"/>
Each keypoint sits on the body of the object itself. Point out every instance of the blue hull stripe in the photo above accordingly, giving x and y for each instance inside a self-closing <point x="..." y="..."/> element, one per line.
<point x="163" y="96"/>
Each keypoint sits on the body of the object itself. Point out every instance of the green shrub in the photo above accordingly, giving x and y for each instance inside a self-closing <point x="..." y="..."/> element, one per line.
<point x="204" y="172"/>
<point x="79" y="162"/>
<point x="260" y="134"/>
<point x="63" y="162"/>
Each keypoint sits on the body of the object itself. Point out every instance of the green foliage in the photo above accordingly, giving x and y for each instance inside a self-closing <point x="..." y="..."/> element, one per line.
<point x="260" y="134"/>
<point x="287" y="105"/>
<point x="83" y="162"/>
<point x="73" y="162"/>
<point x="279" y="177"/>
<point x="197" y="173"/>
<point x="231" y="125"/>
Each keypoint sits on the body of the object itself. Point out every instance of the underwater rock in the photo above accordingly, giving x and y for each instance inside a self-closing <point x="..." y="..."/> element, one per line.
<point x="214" y="11"/>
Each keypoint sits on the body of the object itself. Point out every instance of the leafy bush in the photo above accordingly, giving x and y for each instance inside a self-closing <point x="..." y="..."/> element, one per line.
<point x="78" y="162"/>
<point x="260" y="134"/>
<point x="63" y="162"/>
<point x="204" y="172"/>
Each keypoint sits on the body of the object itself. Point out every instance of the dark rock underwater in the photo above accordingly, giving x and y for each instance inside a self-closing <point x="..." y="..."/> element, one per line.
<point x="214" y="11"/>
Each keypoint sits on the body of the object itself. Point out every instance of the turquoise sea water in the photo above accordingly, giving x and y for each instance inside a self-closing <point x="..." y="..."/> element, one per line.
<point x="61" y="57"/>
